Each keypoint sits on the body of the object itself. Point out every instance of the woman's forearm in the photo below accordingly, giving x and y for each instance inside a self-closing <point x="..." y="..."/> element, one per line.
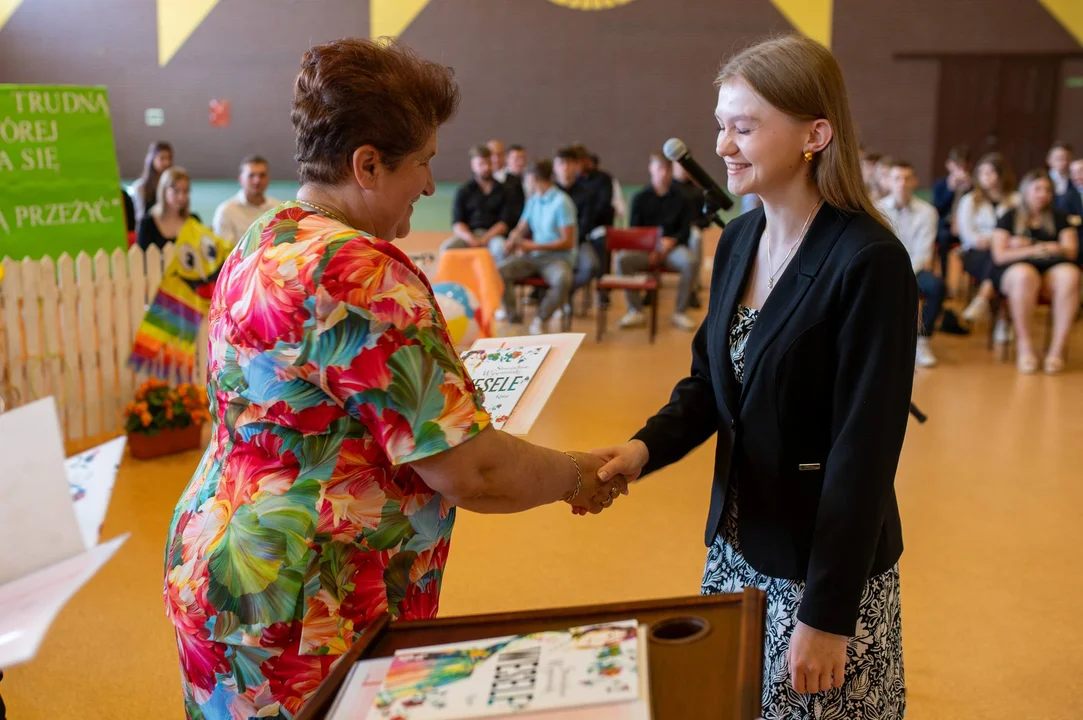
<point x="1008" y="255"/>
<point x="499" y="473"/>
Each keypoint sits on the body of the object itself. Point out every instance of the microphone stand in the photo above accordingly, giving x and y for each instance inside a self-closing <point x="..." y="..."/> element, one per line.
<point x="711" y="207"/>
<point x="918" y="414"/>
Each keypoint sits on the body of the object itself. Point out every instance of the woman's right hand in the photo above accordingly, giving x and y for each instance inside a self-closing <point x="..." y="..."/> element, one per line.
<point x="627" y="460"/>
<point x="618" y="466"/>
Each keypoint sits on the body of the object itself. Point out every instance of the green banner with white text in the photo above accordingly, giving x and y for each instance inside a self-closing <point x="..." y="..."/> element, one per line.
<point x="59" y="187"/>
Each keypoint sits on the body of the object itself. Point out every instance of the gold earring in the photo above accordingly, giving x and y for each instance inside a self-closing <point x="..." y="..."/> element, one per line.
<point x="808" y="156"/>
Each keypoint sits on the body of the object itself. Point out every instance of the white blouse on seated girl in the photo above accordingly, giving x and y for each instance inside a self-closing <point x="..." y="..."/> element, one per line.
<point x="975" y="222"/>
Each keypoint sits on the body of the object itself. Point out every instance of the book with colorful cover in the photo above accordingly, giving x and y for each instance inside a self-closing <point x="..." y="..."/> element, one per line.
<point x="503" y="375"/>
<point x="591" y="667"/>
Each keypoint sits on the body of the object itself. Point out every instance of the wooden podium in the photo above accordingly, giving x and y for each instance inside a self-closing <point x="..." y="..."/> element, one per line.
<point x="705" y="652"/>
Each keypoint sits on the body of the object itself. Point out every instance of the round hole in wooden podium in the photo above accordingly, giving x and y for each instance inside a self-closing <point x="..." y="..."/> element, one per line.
<point x="682" y="630"/>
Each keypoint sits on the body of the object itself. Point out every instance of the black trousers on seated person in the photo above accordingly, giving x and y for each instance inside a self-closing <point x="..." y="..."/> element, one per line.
<point x="932" y="297"/>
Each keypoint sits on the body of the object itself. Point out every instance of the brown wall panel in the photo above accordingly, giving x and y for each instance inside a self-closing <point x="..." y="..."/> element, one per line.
<point x="621" y="81"/>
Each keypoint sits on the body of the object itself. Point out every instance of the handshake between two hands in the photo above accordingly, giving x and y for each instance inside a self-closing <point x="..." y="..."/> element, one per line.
<point x="606" y="475"/>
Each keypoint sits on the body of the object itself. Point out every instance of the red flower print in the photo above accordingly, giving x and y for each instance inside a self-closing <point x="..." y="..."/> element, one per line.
<point x="186" y="607"/>
<point x="276" y="635"/>
<point x="367" y="371"/>
<point x="390" y="430"/>
<point x="368" y="600"/>
<point x="266" y="294"/>
<point x="260" y="465"/>
<point x="309" y="421"/>
<point x="357" y="272"/>
<point x="294" y="677"/>
<point x="420" y="604"/>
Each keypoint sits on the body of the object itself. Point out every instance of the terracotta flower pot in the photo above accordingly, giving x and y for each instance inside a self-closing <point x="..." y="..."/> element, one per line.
<point x="165" y="442"/>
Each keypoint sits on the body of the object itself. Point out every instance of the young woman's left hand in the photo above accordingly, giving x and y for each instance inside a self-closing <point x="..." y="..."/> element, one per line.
<point x="817" y="659"/>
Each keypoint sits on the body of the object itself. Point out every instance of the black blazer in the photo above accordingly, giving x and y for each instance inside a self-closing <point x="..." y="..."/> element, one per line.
<point x="813" y="435"/>
<point x="1070" y="202"/>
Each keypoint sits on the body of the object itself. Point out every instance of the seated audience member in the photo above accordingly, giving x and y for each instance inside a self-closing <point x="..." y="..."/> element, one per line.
<point x="513" y="184"/>
<point x="129" y="210"/>
<point x="499" y="157"/>
<point x="1035" y="248"/>
<point x="661" y="204"/>
<point x="170" y="210"/>
<point x="144" y="191"/>
<point x="1071" y="202"/>
<point x="914" y="221"/>
<point x="567" y="172"/>
<point x="235" y="215"/>
<point x="693" y="195"/>
<point x="480" y="216"/>
<point x="869" y="163"/>
<point x="1059" y="160"/>
<point x="606" y="205"/>
<point x="550" y="220"/>
<point x="880" y="182"/>
<point x="592" y="169"/>
<point x="947" y="192"/>
<point x="976" y="218"/>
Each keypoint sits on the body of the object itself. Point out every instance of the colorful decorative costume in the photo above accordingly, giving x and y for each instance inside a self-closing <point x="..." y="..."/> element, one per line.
<point x="167" y="336"/>
<point x="330" y="370"/>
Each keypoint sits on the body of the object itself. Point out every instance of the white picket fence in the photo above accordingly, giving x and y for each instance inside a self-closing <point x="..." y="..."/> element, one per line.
<point x="66" y="330"/>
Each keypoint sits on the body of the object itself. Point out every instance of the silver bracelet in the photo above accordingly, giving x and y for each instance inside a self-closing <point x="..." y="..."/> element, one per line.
<point x="578" y="480"/>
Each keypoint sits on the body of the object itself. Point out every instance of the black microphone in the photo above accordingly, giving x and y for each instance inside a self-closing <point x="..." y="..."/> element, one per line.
<point x="676" y="151"/>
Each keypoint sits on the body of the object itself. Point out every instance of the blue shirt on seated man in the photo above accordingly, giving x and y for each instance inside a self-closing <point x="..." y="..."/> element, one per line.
<point x="549" y="219"/>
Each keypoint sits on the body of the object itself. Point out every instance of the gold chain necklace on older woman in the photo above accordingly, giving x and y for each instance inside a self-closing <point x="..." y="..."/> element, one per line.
<point x="326" y="211"/>
<point x="771" y="270"/>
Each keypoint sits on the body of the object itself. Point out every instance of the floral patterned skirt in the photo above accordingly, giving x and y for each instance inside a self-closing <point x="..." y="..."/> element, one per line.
<point x="874" y="688"/>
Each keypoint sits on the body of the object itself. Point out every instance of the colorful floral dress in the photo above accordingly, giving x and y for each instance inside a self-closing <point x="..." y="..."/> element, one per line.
<point x="330" y="370"/>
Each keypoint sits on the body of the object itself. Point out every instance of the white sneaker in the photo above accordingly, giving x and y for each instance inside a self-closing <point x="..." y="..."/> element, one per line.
<point x="683" y="322"/>
<point x="537" y="326"/>
<point x="500" y="315"/>
<point x="1002" y="333"/>
<point x="977" y="310"/>
<point x="557" y="314"/>
<point x="925" y="357"/>
<point x="632" y="319"/>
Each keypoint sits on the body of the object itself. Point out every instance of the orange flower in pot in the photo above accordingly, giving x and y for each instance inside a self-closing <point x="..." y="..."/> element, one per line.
<point x="165" y="419"/>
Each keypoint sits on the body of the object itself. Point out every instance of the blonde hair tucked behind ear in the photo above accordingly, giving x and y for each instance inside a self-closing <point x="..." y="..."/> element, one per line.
<point x="801" y="78"/>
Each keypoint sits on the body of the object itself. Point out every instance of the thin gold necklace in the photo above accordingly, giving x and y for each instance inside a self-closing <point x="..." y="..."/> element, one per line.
<point x="770" y="263"/>
<point x="326" y="211"/>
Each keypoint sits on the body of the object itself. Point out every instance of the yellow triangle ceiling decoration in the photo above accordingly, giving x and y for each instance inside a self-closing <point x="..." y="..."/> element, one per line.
<point x="7" y="9"/>
<point x="1068" y="13"/>
<point x="813" y="17"/>
<point x="590" y="4"/>
<point x="391" y="17"/>
<point x="177" y="19"/>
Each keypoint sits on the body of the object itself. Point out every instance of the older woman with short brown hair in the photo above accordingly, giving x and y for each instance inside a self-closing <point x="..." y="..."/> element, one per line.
<point x="345" y="429"/>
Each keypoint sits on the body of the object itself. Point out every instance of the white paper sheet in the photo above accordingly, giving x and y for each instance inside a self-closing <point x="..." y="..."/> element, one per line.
<point x="38" y="527"/>
<point x="91" y="476"/>
<point x="29" y="605"/>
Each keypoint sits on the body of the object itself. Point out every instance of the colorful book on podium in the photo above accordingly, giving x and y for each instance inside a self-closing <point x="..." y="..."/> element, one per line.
<point x="594" y="671"/>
